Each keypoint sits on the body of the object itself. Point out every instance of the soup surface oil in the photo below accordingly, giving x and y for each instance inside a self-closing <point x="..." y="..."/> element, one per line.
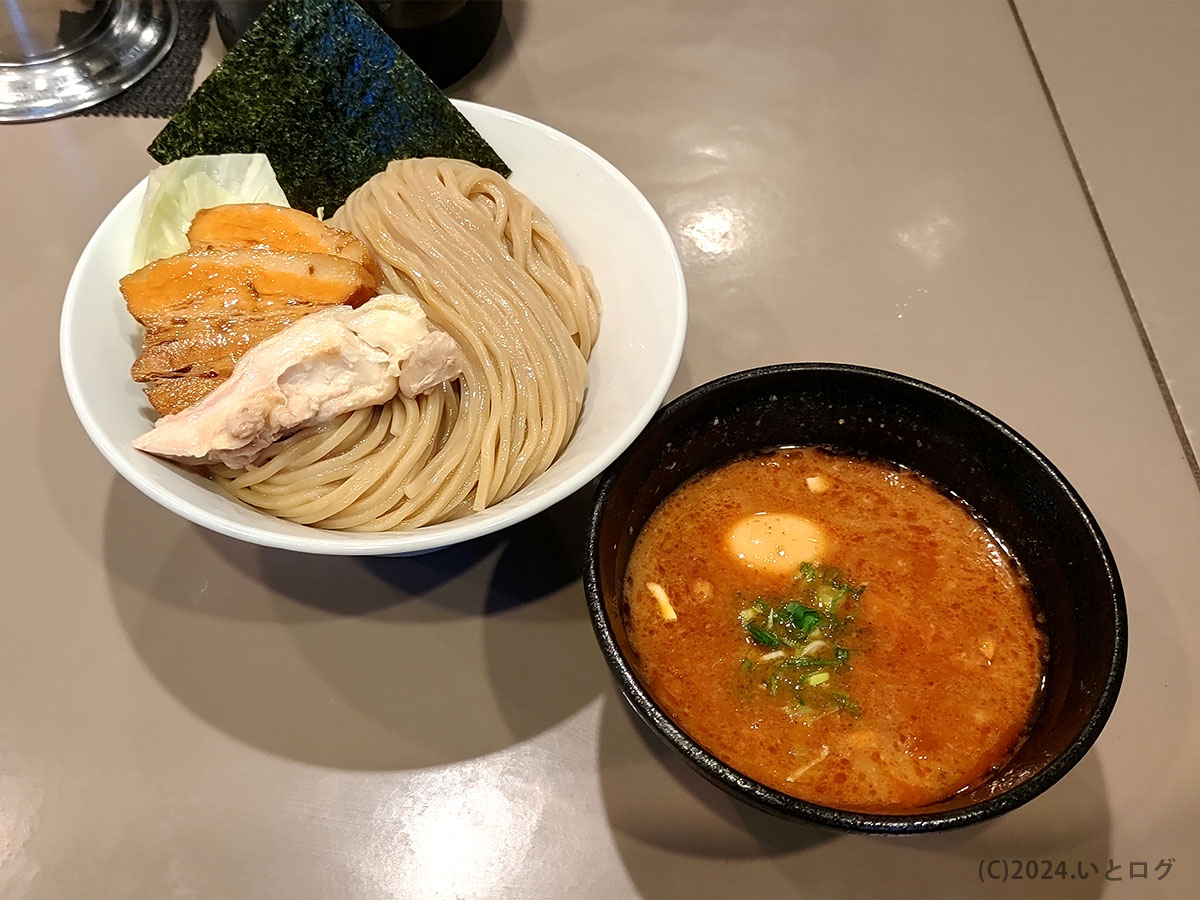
<point x="835" y="628"/>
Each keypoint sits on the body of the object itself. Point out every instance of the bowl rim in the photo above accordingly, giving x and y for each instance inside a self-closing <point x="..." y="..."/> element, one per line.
<point x="315" y="540"/>
<point x="734" y="782"/>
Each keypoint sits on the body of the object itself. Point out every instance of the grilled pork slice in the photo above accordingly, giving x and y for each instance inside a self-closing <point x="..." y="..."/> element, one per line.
<point x="173" y="395"/>
<point x="333" y="361"/>
<point x="183" y="358"/>
<point x="208" y="344"/>
<point x="240" y="225"/>
<point x="203" y="309"/>
<point x="243" y="281"/>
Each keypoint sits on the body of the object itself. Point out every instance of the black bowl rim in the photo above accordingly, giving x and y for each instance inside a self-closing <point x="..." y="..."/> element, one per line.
<point x="728" y="778"/>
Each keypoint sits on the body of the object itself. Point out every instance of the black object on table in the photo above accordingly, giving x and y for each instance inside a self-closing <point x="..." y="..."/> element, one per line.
<point x="446" y="38"/>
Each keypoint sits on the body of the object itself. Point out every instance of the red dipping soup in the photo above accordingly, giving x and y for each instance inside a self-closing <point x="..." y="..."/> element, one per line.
<point x="836" y="628"/>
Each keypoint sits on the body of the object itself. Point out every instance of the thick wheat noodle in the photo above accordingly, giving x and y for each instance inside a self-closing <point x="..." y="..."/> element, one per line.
<point x="314" y="499"/>
<point x="406" y="268"/>
<point x="500" y="327"/>
<point x="497" y="322"/>
<point x="289" y="499"/>
<point x="416" y="443"/>
<point x="412" y="450"/>
<point x="550" y="335"/>
<point x="325" y="466"/>
<point x="301" y="452"/>
<point x="529" y="367"/>
<point x="490" y="270"/>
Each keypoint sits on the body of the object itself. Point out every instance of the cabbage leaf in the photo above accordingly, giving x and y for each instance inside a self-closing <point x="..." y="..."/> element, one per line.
<point x="177" y="191"/>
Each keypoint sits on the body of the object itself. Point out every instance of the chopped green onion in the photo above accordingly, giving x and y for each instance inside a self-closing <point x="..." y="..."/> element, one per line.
<point x="842" y="699"/>
<point x="805" y="662"/>
<point x="801" y="616"/>
<point x="761" y="635"/>
<point x="806" y="622"/>
<point x="828" y="595"/>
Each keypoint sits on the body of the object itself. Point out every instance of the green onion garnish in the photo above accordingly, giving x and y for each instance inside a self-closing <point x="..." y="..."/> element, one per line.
<point x="803" y="634"/>
<point x="761" y="635"/>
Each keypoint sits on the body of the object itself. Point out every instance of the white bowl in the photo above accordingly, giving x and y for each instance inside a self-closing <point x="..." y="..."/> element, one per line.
<point x="609" y="227"/>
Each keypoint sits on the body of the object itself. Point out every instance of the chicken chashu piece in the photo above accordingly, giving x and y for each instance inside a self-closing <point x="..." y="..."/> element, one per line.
<point x="331" y="362"/>
<point x="182" y="361"/>
<point x="240" y="225"/>
<point x="203" y="309"/>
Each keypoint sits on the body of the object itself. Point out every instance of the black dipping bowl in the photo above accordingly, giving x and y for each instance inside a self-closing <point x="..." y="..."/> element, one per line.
<point x="1015" y="490"/>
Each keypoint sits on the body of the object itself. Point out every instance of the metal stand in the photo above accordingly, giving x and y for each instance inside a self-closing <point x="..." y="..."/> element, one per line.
<point x="47" y="71"/>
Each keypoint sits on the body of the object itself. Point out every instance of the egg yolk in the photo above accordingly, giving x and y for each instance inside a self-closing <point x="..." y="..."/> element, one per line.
<point x="775" y="542"/>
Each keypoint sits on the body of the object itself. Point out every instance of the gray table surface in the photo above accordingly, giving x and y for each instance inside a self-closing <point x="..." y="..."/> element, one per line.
<point x="914" y="186"/>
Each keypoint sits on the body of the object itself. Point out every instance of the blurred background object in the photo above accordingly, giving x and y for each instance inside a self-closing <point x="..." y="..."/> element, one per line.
<point x="446" y="38"/>
<point x="61" y="57"/>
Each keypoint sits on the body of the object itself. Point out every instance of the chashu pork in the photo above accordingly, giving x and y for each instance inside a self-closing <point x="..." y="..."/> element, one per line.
<point x="209" y="343"/>
<point x="330" y="362"/>
<point x="248" y="280"/>
<point x="202" y="310"/>
<point x="240" y="225"/>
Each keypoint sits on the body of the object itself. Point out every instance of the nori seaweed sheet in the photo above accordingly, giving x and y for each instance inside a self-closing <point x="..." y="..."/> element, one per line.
<point x="323" y="91"/>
